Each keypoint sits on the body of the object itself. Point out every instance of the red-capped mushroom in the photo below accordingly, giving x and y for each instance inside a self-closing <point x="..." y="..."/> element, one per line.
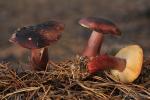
<point x="100" y="27"/>
<point x="37" y="38"/>
<point x="125" y="66"/>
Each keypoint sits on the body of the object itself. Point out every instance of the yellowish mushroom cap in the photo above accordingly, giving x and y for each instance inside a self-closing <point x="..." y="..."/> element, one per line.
<point x="134" y="60"/>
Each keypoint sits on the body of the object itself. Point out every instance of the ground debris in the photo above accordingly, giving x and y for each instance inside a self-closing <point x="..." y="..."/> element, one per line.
<point x="69" y="80"/>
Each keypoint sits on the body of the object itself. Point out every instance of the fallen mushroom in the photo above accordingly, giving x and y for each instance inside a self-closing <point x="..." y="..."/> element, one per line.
<point x="37" y="38"/>
<point x="100" y="27"/>
<point x="125" y="66"/>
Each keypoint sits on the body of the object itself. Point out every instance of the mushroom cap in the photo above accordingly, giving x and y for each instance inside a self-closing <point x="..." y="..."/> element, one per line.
<point x="100" y="25"/>
<point x="38" y="36"/>
<point x="134" y="60"/>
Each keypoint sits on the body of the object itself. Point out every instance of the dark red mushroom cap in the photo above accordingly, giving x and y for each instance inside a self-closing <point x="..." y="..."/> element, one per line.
<point x="38" y="36"/>
<point x="100" y="25"/>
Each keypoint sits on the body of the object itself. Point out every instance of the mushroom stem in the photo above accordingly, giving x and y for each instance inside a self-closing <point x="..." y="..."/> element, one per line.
<point x="93" y="46"/>
<point x="39" y="58"/>
<point x="103" y="62"/>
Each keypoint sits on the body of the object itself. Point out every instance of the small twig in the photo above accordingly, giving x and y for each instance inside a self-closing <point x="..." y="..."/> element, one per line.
<point x="21" y="90"/>
<point x="46" y="92"/>
<point x="101" y="95"/>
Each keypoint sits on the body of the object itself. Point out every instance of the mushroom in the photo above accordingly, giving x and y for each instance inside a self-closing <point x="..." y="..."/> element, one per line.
<point x="125" y="66"/>
<point x="100" y="27"/>
<point x="37" y="38"/>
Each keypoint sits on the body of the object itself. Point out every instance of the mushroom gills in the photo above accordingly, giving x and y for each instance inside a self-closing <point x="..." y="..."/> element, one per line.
<point x="134" y="60"/>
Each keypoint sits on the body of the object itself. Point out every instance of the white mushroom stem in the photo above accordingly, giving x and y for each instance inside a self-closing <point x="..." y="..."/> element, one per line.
<point x="93" y="45"/>
<point x="39" y="58"/>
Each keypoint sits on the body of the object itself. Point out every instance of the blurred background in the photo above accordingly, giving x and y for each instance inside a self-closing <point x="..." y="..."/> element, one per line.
<point x="131" y="16"/>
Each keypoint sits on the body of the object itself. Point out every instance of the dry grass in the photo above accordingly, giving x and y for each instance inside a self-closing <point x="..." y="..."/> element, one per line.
<point x="68" y="80"/>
